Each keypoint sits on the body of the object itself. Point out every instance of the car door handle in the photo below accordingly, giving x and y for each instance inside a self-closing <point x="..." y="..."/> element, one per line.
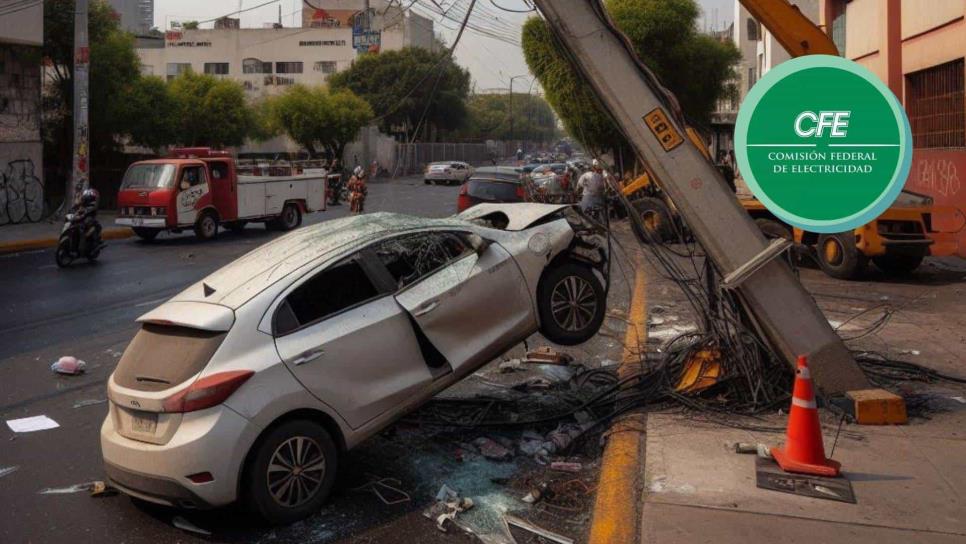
<point x="308" y="356"/>
<point x="426" y="308"/>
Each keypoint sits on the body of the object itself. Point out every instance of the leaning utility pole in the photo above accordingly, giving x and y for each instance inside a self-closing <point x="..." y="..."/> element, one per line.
<point x="80" y="173"/>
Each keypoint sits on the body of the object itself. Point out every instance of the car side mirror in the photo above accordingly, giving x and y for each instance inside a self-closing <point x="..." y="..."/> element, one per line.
<point x="479" y="244"/>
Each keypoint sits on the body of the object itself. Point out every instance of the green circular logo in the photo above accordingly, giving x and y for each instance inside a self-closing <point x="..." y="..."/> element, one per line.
<point x="823" y="143"/>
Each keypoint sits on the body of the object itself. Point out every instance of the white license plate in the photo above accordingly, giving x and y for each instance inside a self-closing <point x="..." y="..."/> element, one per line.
<point x="137" y="221"/>
<point x="144" y="423"/>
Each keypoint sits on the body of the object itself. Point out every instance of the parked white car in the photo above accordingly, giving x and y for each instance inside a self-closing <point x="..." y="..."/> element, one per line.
<point x="449" y="172"/>
<point x="249" y="384"/>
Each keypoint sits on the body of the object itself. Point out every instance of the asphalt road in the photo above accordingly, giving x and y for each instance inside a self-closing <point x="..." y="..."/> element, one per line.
<point x="88" y="311"/>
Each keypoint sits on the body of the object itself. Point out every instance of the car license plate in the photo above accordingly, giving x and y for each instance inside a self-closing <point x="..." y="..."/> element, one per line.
<point x="137" y="221"/>
<point x="144" y="422"/>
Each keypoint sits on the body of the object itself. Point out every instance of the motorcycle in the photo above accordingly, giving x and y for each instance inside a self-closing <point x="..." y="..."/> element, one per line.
<point x="76" y="241"/>
<point x="336" y="190"/>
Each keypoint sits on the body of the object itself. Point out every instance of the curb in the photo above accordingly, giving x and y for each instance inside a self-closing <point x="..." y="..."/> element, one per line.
<point x="616" y="515"/>
<point x="113" y="233"/>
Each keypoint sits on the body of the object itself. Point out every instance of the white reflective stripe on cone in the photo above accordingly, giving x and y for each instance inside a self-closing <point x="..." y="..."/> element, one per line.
<point x="804" y="373"/>
<point x="803" y="403"/>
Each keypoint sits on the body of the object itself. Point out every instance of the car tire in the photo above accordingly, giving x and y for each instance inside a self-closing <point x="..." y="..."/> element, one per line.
<point x="898" y="265"/>
<point x="267" y="494"/>
<point x="426" y="181"/>
<point x="206" y="227"/>
<point x="561" y="321"/>
<point x="655" y="217"/>
<point x="290" y="218"/>
<point x="62" y="253"/>
<point x="146" y="234"/>
<point x="838" y="257"/>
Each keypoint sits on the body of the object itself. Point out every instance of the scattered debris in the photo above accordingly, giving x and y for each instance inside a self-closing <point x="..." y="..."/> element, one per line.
<point x="548" y="356"/>
<point x="539" y="531"/>
<point x="185" y="525"/>
<point x="960" y="400"/>
<point x="31" y="424"/>
<point x="68" y="365"/>
<point x="76" y="488"/>
<point x="101" y="489"/>
<point x="909" y="352"/>
<point x="511" y="365"/>
<point x="89" y="402"/>
<point x="492" y="450"/>
<point x="608" y="363"/>
<point x="762" y="450"/>
<point x="564" y="466"/>
<point x="447" y="506"/>
<point x="380" y="487"/>
<point x="535" y="494"/>
<point x="8" y="470"/>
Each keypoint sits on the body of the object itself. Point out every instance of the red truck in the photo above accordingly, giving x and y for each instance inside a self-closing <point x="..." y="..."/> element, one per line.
<point x="199" y="188"/>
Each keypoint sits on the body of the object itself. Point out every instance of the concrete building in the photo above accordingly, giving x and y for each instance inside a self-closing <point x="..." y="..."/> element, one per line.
<point x="137" y="16"/>
<point x="918" y="48"/>
<point x="267" y="60"/>
<point x="21" y="150"/>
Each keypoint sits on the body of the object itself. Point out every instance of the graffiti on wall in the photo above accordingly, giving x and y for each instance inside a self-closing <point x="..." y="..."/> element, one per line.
<point x="937" y="175"/>
<point x="21" y="193"/>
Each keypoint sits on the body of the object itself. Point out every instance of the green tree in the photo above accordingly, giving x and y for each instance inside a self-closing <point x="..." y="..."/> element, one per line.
<point x="695" y="67"/>
<point x="189" y="25"/>
<point x="489" y="115"/>
<point x="210" y="111"/>
<point x="151" y="112"/>
<point x="317" y="118"/>
<point x="408" y="89"/>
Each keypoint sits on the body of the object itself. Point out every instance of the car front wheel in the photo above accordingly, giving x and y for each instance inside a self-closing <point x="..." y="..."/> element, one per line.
<point x="292" y="471"/>
<point x="571" y="302"/>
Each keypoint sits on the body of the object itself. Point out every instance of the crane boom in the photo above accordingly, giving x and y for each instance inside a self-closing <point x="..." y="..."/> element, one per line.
<point x="794" y="31"/>
<point x="647" y="115"/>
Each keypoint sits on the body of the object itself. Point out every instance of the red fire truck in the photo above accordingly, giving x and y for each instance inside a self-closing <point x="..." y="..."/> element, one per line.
<point x="199" y="188"/>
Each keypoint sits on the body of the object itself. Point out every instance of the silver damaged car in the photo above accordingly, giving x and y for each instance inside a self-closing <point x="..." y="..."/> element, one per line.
<point x="248" y="385"/>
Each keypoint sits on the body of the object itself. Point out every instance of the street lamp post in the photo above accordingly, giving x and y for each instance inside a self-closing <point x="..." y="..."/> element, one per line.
<point x="512" y="133"/>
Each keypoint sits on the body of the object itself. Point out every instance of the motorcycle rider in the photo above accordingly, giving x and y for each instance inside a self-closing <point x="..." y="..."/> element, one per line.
<point x="85" y="213"/>
<point x="357" y="190"/>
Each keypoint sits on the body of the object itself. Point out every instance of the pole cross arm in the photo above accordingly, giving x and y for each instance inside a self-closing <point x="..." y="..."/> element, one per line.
<point x="647" y="115"/>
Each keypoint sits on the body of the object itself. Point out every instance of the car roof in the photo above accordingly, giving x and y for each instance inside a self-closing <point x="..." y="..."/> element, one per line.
<point x="498" y="170"/>
<point x="237" y="282"/>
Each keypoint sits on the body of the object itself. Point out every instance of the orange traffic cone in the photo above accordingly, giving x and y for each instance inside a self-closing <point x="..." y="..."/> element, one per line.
<point x="803" y="450"/>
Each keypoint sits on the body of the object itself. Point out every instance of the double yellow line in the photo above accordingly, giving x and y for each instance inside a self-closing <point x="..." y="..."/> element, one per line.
<point x="616" y="515"/>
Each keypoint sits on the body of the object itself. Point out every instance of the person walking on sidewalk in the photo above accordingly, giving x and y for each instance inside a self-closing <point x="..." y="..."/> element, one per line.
<point x="357" y="190"/>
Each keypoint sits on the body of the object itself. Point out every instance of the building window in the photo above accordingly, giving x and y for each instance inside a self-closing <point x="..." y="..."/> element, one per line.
<point x="216" y="68"/>
<point x="936" y="105"/>
<point x="753" y="34"/>
<point x="752" y="77"/>
<point x="255" y="66"/>
<point x="276" y="80"/>
<point x="838" y="26"/>
<point x="288" y="67"/>
<point x="177" y="68"/>
<point x="325" y="66"/>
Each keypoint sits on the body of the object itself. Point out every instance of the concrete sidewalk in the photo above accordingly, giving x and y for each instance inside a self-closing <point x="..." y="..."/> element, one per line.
<point x="43" y="234"/>
<point x="909" y="482"/>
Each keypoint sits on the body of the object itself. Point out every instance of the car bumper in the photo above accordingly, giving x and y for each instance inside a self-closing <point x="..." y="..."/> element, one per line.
<point x="441" y="176"/>
<point x="213" y="440"/>
<point x="149" y="222"/>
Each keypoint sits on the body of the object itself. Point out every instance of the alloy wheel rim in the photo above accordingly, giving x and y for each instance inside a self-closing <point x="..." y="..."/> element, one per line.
<point x="209" y="225"/>
<point x="289" y="217"/>
<point x="295" y="471"/>
<point x="573" y="303"/>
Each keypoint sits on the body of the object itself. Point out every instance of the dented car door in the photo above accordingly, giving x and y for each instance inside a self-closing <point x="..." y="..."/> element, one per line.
<point x="469" y="299"/>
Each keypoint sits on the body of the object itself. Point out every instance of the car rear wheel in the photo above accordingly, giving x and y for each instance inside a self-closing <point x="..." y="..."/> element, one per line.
<point x="206" y="227"/>
<point x="898" y="265"/>
<point x="571" y="303"/>
<point x="292" y="472"/>
<point x="838" y="256"/>
<point x="146" y="234"/>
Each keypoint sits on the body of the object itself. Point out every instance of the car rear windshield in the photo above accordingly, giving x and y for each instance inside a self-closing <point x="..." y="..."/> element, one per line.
<point x="162" y="356"/>
<point x="498" y="191"/>
<point x="148" y="176"/>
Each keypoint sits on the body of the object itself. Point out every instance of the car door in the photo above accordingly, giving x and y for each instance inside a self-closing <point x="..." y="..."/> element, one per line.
<point x="349" y="343"/>
<point x="192" y="187"/>
<point x="471" y="305"/>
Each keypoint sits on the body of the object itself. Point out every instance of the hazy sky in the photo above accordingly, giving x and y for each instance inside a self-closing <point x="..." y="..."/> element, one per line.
<point x="491" y="62"/>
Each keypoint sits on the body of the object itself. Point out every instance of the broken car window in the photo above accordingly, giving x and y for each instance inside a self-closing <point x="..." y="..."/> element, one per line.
<point x="335" y="289"/>
<point x="414" y="256"/>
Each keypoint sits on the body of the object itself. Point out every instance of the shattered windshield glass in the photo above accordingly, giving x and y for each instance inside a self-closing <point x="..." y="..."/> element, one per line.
<point x="148" y="176"/>
<point x="413" y="256"/>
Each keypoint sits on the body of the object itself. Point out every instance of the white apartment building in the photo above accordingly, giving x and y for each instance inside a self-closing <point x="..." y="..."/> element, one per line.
<point x="137" y="16"/>
<point x="267" y="60"/>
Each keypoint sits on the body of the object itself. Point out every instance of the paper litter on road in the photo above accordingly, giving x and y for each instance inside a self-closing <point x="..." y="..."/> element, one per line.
<point x="76" y="488"/>
<point x="7" y="470"/>
<point x="31" y="424"/>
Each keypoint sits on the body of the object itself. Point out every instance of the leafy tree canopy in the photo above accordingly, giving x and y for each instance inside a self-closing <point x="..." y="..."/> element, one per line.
<point x="489" y="118"/>
<point x="210" y="111"/>
<point x="664" y="34"/>
<point x="316" y="117"/>
<point x="402" y="86"/>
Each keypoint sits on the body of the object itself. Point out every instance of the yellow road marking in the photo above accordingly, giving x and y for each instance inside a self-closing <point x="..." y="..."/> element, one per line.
<point x="616" y="508"/>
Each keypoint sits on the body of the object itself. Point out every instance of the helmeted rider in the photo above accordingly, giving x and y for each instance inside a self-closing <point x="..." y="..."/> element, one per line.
<point x="357" y="190"/>
<point x="591" y="187"/>
<point x="85" y="213"/>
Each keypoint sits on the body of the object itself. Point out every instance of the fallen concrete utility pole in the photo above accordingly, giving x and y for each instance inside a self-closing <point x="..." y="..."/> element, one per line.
<point x="646" y="114"/>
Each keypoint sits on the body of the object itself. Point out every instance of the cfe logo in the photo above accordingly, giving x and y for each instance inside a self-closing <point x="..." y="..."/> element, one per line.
<point x="823" y="144"/>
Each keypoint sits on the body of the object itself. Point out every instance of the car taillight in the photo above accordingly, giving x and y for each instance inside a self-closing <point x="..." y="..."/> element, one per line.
<point x="520" y="192"/>
<point x="206" y="392"/>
